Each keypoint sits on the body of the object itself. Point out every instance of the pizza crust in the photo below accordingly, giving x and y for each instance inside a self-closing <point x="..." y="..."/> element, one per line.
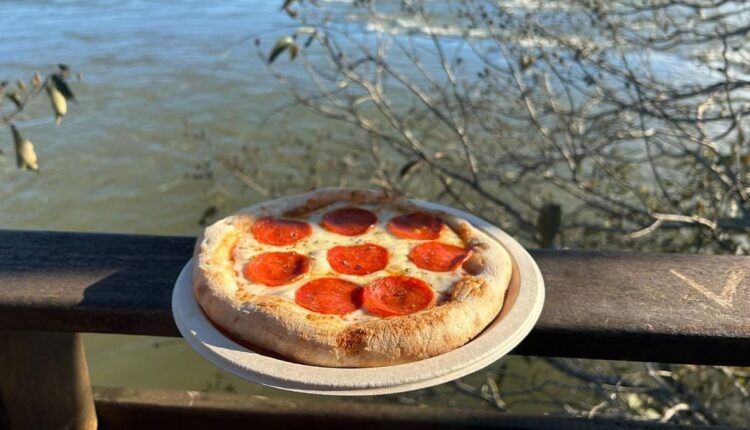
<point x="297" y="334"/>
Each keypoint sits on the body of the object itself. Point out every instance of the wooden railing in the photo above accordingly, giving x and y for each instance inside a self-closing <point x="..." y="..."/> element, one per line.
<point x="611" y="305"/>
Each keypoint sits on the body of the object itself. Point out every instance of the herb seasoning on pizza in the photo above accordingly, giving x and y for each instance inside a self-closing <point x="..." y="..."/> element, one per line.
<point x="349" y="278"/>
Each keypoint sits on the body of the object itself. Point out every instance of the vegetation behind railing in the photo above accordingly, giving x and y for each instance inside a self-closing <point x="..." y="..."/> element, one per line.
<point x="20" y="96"/>
<point x="579" y="123"/>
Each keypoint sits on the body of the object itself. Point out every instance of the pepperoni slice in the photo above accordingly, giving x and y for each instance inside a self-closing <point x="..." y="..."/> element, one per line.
<point x="396" y="295"/>
<point x="358" y="259"/>
<point x="279" y="231"/>
<point x="329" y="296"/>
<point x="349" y="221"/>
<point x="276" y="268"/>
<point x="438" y="257"/>
<point x="417" y="225"/>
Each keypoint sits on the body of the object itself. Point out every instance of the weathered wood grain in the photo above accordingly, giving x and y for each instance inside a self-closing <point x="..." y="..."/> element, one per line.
<point x="613" y="305"/>
<point x="636" y="306"/>
<point x="44" y="382"/>
<point x="120" y="408"/>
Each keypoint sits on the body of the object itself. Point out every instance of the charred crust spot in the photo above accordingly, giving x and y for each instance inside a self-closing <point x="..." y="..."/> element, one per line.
<point x="476" y="288"/>
<point x="299" y="211"/>
<point x="352" y="340"/>
<point x="463" y="229"/>
<point x="309" y="206"/>
<point x="358" y="196"/>
<point x="433" y="318"/>
<point x="330" y="197"/>
<point x="243" y="223"/>
<point x="443" y="298"/>
<point x="466" y="288"/>
<point x="474" y="265"/>
<point x="243" y="295"/>
<point x="267" y="305"/>
<point x="316" y="317"/>
<point x="367" y="197"/>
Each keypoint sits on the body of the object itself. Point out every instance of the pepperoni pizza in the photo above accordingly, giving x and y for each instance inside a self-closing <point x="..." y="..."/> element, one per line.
<point x="349" y="278"/>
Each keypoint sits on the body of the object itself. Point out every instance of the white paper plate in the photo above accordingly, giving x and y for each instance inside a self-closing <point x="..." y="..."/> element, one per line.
<point x="521" y="310"/>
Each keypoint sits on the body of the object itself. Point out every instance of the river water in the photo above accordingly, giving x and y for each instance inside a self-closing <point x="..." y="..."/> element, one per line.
<point x="120" y="161"/>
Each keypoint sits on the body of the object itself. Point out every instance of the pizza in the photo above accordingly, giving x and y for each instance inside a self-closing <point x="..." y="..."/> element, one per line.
<point x="349" y="278"/>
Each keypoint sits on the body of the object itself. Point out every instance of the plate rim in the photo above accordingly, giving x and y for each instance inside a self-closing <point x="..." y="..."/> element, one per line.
<point x="213" y="346"/>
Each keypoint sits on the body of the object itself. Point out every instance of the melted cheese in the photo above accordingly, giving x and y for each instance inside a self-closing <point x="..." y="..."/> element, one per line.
<point x="317" y="245"/>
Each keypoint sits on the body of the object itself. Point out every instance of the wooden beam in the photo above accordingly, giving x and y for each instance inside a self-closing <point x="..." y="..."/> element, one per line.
<point x="675" y="308"/>
<point x="123" y="408"/>
<point x="613" y="305"/>
<point x="44" y="382"/>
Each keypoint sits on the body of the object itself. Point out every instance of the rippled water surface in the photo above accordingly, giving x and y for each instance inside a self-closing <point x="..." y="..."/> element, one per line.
<point x="119" y="160"/>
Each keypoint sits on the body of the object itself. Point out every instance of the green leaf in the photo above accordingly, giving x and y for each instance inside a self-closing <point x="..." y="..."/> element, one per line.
<point x="525" y="62"/>
<point x="293" y="51"/>
<point x="281" y="45"/>
<point x="36" y="81"/>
